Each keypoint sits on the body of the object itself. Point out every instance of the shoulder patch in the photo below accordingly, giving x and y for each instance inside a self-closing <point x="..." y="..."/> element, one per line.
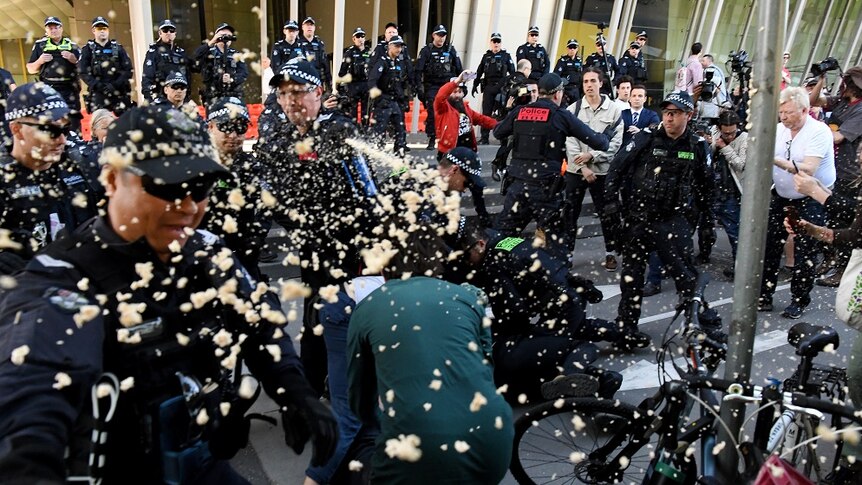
<point x="50" y="262"/>
<point x="508" y="243"/>
<point x="66" y="300"/>
<point x="208" y="238"/>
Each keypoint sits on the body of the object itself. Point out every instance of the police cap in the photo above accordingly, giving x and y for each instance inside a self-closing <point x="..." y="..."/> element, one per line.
<point x="440" y="30"/>
<point x="167" y="23"/>
<point x="308" y="20"/>
<point x="99" y="21"/>
<point x="358" y="32"/>
<point x="634" y="45"/>
<point x="298" y="70"/>
<point x="533" y="30"/>
<point x="36" y="100"/>
<point x="642" y="35"/>
<point x="496" y="36"/>
<point x="227" y="109"/>
<point x="396" y="39"/>
<point x="53" y="20"/>
<point x="680" y="99"/>
<point x="572" y="43"/>
<point x="165" y="144"/>
<point x="176" y="77"/>
<point x="225" y="25"/>
<point x="291" y="25"/>
<point x="469" y="163"/>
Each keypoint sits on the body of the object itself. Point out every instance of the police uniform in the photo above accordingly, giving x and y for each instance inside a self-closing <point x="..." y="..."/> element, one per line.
<point x="634" y="67"/>
<point x="356" y="62"/>
<point x="665" y="181"/>
<point x="39" y="206"/>
<point x="213" y="62"/>
<point x="315" y="52"/>
<point x="537" y="55"/>
<point x="98" y="312"/>
<point x="539" y="132"/>
<point x="283" y="51"/>
<point x="609" y="69"/>
<point x="434" y="68"/>
<point x="493" y="69"/>
<point x="160" y="61"/>
<point x="391" y="77"/>
<point x="570" y="69"/>
<point x="61" y="74"/>
<point x="6" y="82"/>
<point x="106" y="70"/>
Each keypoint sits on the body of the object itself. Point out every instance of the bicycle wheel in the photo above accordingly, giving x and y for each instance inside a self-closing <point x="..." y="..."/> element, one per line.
<point x="585" y="440"/>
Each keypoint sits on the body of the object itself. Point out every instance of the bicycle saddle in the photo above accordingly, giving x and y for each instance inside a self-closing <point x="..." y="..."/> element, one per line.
<point x="810" y="340"/>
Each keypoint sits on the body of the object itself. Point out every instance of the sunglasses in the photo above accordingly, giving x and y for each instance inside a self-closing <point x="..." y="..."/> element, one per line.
<point x="238" y="127"/>
<point x="198" y="188"/>
<point x="54" y="131"/>
<point x="534" y="35"/>
<point x="495" y="41"/>
<point x="179" y="86"/>
<point x="360" y="36"/>
<point x="169" y="31"/>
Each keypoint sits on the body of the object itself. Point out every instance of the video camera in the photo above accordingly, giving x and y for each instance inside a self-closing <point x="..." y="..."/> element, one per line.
<point x="226" y="38"/>
<point x="824" y="66"/>
<point x="708" y="85"/>
<point x="739" y="62"/>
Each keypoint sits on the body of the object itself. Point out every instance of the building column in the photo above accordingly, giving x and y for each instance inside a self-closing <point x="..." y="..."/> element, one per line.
<point x="817" y="40"/>
<point x="264" y="39"/>
<point x="294" y="12"/>
<point x="842" y="21"/>
<point x="707" y="46"/>
<point x="337" y="40"/>
<point x="692" y="25"/>
<point x="747" y="27"/>
<point x="375" y="23"/>
<point x="555" y="31"/>
<point x="698" y="32"/>
<point x="614" y="25"/>
<point x="423" y="35"/>
<point x="794" y="24"/>
<point x="534" y="13"/>
<point x="494" y="21"/>
<point x="853" y="48"/>
<point x="623" y="34"/>
<point x="141" y="20"/>
<point x="622" y="31"/>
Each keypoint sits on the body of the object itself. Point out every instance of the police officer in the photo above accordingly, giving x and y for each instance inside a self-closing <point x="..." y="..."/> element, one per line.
<point x="390" y="75"/>
<point x="606" y="63"/>
<point x="535" y="53"/>
<point x="237" y="223"/>
<point x="137" y="313"/>
<point x="494" y="67"/>
<point x="315" y="51"/>
<point x="222" y="73"/>
<point x="666" y="176"/>
<point x="642" y="39"/>
<point x="527" y="354"/>
<point x="571" y="68"/>
<point x="106" y="69"/>
<point x="163" y="58"/>
<point x="55" y="59"/>
<point x="174" y="92"/>
<point x="539" y="132"/>
<point x="7" y="85"/>
<point x="287" y="48"/>
<point x="356" y="63"/>
<point x="331" y="202"/>
<point x="631" y="64"/>
<point x="438" y="63"/>
<point x="42" y="193"/>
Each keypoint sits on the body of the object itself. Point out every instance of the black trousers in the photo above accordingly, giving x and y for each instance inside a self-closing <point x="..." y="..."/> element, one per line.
<point x="672" y="240"/>
<point x="71" y="93"/>
<point x="430" y="94"/>
<point x="357" y="99"/>
<point x="489" y="95"/>
<point x="533" y="200"/>
<point x="388" y="113"/>
<point x="576" y="189"/>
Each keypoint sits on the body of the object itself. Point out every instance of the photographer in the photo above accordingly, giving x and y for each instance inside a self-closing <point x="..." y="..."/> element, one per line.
<point x="712" y="93"/>
<point x="223" y="74"/>
<point x="845" y="120"/>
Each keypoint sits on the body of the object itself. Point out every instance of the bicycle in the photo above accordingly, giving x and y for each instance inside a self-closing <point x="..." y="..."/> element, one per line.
<point x="607" y="441"/>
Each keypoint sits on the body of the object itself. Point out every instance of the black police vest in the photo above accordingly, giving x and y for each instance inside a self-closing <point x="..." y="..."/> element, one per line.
<point x="394" y="78"/>
<point x="358" y="64"/>
<point x="440" y="62"/>
<point x="169" y="61"/>
<point x="572" y="69"/>
<point x="104" y="60"/>
<point x="218" y="63"/>
<point x="58" y="69"/>
<point x="537" y="57"/>
<point x="662" y="184"/>
<point x="532" y="133"/>
<point x="494" y="67"/>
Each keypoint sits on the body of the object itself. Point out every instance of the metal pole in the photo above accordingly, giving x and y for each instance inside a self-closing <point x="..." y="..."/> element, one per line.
<point x="534" y="13"/>
<point x="747" y="28"/>
<point x="614" y="24"/>
<point x="794" y="24"/>
<point x="141" y="18"/>
<point x="701" y="21"/>
<point x="622" y="32"/>
<point x="468" y="40"/>
<point x="264" y="43"/>
<point x="624" y="45"/>
<point x="755" y="208"/>
<point x="375" y="22"/>
<point x="707" y="46"/>
<point x="692" y="21"/>
<point x="337" y="40"/>
<point x="553" y="45"/>
<point x="842" y="21"/>
<point x="817" y="40"/>
<point x="423" y="36"/>
<point x="854" y="46"/>
<point x="494" y="21"/>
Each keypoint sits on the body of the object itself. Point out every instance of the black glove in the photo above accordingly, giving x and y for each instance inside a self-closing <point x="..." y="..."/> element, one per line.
<point x="11" y="263"/>
<point x="475" y="90"/>
<point x="420" y="93"/>
<point x="310" y="419"/>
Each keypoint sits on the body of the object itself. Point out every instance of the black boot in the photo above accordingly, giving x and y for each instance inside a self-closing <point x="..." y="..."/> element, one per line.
<point x="432" y="143"/>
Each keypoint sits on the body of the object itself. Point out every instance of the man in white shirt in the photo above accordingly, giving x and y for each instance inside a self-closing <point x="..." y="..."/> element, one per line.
<point x="710" y="109"/>
<point x="587" y="168"/>
<point x="624" y="91"/>
<point x="802" y="144"/>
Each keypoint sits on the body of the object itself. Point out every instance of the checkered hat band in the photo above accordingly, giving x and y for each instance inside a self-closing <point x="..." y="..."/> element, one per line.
<point x="463" y="166"/>
<point x="226" y="112"/>
<point x="308" y="77"/>
<point x="148" y="152"/>
<point x="35" y="110"/>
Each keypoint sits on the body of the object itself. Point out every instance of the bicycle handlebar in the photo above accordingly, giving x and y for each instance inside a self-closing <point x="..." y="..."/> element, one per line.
<point x="847" y="412"/>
